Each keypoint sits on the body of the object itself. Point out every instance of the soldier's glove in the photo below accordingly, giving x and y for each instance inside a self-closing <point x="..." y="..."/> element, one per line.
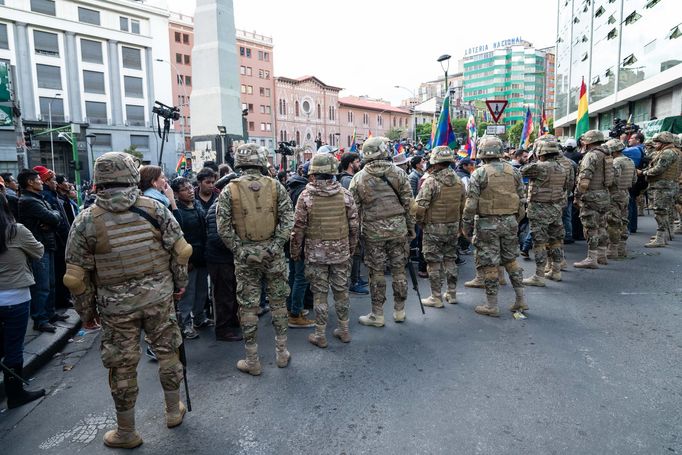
<point x="583" y="185"/>
<point x="468" y="231"/>
<point x="255" y="258"/>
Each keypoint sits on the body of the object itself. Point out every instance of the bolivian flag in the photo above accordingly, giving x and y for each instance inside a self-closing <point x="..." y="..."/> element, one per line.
<point x="182" y="164"/>
<point x="583" y="122"/>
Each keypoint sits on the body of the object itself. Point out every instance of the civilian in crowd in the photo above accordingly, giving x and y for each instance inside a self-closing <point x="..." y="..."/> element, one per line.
<point x="11" y="193"/>
<point x="417" y="166"/>
<point x="212" y="165"/>
<point x="192" y="220"/>
<point x="220" y="264"/>
<point x="635" y="151"/>
<point x="282" y="177"/>
<point x="419" y="150"/>
<point x="223" y="170"/>
<point x="402" y="162"/>
<point x="62" y="296"/>
<point x="17" y="247"/>
<point x="42" y="221"/>
<point x="153" y="184"/>
<point x="63" y="191"/>
<point x="571" y="151"/>
<point x="349" y="165"/>
<point x="297" y="280"/>
<point x="519" y="158"/>
<point x="204" y="192"/>
<point x="465" y="167"/>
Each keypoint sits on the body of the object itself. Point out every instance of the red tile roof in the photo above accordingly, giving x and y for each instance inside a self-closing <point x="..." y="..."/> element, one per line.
<point x="299" y="80"/>
<point x="363" y="103"/>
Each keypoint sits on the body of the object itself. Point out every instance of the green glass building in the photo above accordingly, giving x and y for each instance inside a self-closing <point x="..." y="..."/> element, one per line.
<point x="511" y="70"/>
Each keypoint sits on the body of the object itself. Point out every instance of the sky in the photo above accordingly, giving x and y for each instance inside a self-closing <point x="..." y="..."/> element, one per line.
<point x="368" y="47"/>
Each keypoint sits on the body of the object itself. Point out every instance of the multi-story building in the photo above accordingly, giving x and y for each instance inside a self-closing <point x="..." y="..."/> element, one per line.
<point x="363" y="115"/>
<point x="257" y="86"/>
<point x="511" y="70"/>
<point x="550" y="81"/>
<point x="91" y="63"/>
<point x="181" y="39"/>
<point x="628" y="53"/>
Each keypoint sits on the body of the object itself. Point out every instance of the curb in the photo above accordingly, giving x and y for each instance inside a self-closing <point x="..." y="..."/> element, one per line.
<point x="39" y="350"/>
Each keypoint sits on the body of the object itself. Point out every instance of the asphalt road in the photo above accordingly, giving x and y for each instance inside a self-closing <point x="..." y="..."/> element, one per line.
<point x="595" y="369"/>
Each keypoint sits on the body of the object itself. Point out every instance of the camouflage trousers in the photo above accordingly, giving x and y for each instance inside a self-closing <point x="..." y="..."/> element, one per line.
<point x="440" y="254"/>
<point x="379" y="254"/>
<point x="547" y="231"/>
<point x="249" y="278"/>
<point x="663" y="203"/>
<point x="593" y="210"/>
<point x="120" y="346"/>
<point x="617" y="217"/>
<point x="321" y="278"/>
<point x="497" y="244"/>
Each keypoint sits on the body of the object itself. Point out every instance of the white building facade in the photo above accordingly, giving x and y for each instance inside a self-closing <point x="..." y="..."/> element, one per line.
<point x="99" y="64"/>
<point x="629" y="54"/>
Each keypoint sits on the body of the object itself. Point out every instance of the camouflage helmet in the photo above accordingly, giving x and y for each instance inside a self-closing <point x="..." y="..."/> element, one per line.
<point x="250" y="155"/>
<point x="116" y="168"/>
<point x="327" y="149"/>
<point x="442" y="154"/>
<point x="323" y="163"/>
<point x="664" y="137"/>
<point x="678" y="140"/>
<point x="615" y="145"/>
<point x="489" y="147"/>
<point x="547" y="138"/>
<point x="546" y="147"/>
<point x="592" y="137"/>
<point x="376" y="148"/>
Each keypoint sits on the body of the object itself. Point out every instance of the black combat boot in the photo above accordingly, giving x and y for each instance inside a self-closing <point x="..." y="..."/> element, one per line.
<point x="14" y="388"/>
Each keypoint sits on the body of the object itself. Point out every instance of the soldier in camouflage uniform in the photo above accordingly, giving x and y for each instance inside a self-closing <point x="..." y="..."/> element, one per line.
<point x="548" y="185"/>
<point x="440" y="202"/>
<point x="254" y="218"/>
<point x="592" y="197"/>
<point x="662" y="175"/>
<point x="678" y="198"/>
<point x="625" y="175"/>
<point x="491" y="213"/>
<point x="326" y="229"/>
<point x="126" y="259"/>
<point x="383" y="197"/>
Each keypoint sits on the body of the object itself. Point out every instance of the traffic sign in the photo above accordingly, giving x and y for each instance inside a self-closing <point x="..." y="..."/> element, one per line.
<point x="495" y="129"/>
<point x="496" y="108"/>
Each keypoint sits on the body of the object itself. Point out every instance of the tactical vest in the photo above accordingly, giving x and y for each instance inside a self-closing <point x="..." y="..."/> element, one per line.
<point x="254" y="207"/>
<point x="550" y="190"/>
<point x="446" y="207"/>
<point x="127" y="245"/>
<point x="379" y="201"/>
<point x="627" y="172"/>
<point x="327" y="219"/>
<point x="602" y="178"/>
<point x="499" y="197"/>
<point x="679" y="161"/>
<point x="672" y="172"/>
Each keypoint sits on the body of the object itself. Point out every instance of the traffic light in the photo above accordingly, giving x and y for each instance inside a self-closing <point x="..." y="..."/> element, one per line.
<point x="27" y="137"/>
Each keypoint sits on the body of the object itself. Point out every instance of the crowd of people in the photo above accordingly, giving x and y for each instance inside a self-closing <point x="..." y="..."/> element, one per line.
<point x="234" y="244"/>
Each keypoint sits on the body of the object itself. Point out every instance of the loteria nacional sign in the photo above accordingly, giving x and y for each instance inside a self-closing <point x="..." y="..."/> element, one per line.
<point x="492" y="46"/>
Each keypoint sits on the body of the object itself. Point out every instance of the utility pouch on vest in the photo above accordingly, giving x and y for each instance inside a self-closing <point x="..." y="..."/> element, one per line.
<point x="446" y="207"/>
<point x="254" y="208"/>
<point x="499" y="196"/>
<point x="327" y="219"/>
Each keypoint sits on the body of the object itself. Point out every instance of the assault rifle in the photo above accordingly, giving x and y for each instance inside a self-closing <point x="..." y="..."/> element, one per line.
<point x="183" y="356"/>
<point x="415" y="284"/>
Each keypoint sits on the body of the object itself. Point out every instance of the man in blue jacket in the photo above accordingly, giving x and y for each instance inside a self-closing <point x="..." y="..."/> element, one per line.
<point x="635" y="151"/>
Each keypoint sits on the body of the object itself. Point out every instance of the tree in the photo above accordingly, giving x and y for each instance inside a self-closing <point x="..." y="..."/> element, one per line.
<point x="395" y="134"/>
<point x="424" y="132"/>
<point x="514" y="133"/>
<point x="132" y="150"/>
<point x="459" y="126"/>
<point x="550" y="125"/>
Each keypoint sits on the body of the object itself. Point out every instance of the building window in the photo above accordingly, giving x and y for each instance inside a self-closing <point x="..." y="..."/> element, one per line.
<point x="140" y="142"/>
<point x="132" y="58"/>
<point x="43" y="6"/>
<point x="251" y="108"/>
<point x="296" y="109"/>
<point x="248" y="52"/>
<point x="298" y="137"/>
<point x="93" y="82"/>
<point x="188" y="81"/>
<point x="185" y="38"/>
<point x="186" y="59"/>
<point x="49" y="77"/>
<point x="261" y="91"/>
<point x="178" y="37"/>
<point x="135" y="26"/>
<point x="45" y="43"/>
<point x="266" y="56"/>
<point x="242" y="70"/>
<point x="260" y="55"/>
<point x="96" y="112"/>
<point x="123" y="23"/>
<point x="89" y="16"/>
<point x="133" y="87"/>
<point x="249" y="71"/>
<point x="268" y="109"/>
<point x="267" y="74"/>
<point x="135" y="115"/>
<point x="380" y="120"/>
<point x="319" y="111"/>
<point x="242" y="51"/>
<point x="91" y="51"/>
<point x="262" y="109"/>
<point x="365" y="119"/>
<point x="4" y="41"/>
<point x="249" y="89"/>
<point x="56" y="108"/>
<point x="243" y="88"/>
<point x="349" y="144"/>
<point x="261" y="74"/>
<point x="103" y="141"/>
<point x="268" y="127"/>
<point x="252" y="126"/>
<point x="262" y="126"/>
<point x="350" y="116"/>
<point x="178" y="58"/>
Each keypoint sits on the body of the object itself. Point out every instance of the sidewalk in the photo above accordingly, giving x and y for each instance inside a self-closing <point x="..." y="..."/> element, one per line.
<point x="40" y="347"/>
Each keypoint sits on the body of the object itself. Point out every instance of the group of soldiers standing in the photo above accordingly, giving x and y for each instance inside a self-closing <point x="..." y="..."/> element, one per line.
<point x="127" y="259"/>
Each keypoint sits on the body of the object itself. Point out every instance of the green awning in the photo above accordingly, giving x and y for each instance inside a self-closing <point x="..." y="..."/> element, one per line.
<point x="672" y="124"/>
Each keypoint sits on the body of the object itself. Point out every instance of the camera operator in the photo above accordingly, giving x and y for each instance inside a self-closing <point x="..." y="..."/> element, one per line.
<point x="635" y="151"/>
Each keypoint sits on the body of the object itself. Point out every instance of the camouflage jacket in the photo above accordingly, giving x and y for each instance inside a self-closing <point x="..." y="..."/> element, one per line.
<point x="539" y="171"/>
<point x="243" y="248"/>
<point x="571" y="168"/>
<point x="429" y="191"/>
<point x="323" y="251"/>
<point x="133" y="294"/>
<point x="477" y="183"/>
<point x="363" y="182"/>
<point x="660" y="162"/>
<point x="588" y="166"/>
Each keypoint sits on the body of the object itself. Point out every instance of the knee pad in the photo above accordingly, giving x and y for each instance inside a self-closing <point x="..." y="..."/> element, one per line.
<point x="512" y="267"/>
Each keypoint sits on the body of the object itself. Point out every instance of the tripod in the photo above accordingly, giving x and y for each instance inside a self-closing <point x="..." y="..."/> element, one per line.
<point x="162" y="134"/>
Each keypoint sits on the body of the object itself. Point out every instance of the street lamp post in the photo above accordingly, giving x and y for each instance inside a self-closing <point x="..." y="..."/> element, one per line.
<point x="414" y="114"/>
<point x="93" y="138"/>
<point x="49" y="118"/>
<point x="444" y="61"/>
<point x="222" y="130"/>
<point x="182" y="105"/>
